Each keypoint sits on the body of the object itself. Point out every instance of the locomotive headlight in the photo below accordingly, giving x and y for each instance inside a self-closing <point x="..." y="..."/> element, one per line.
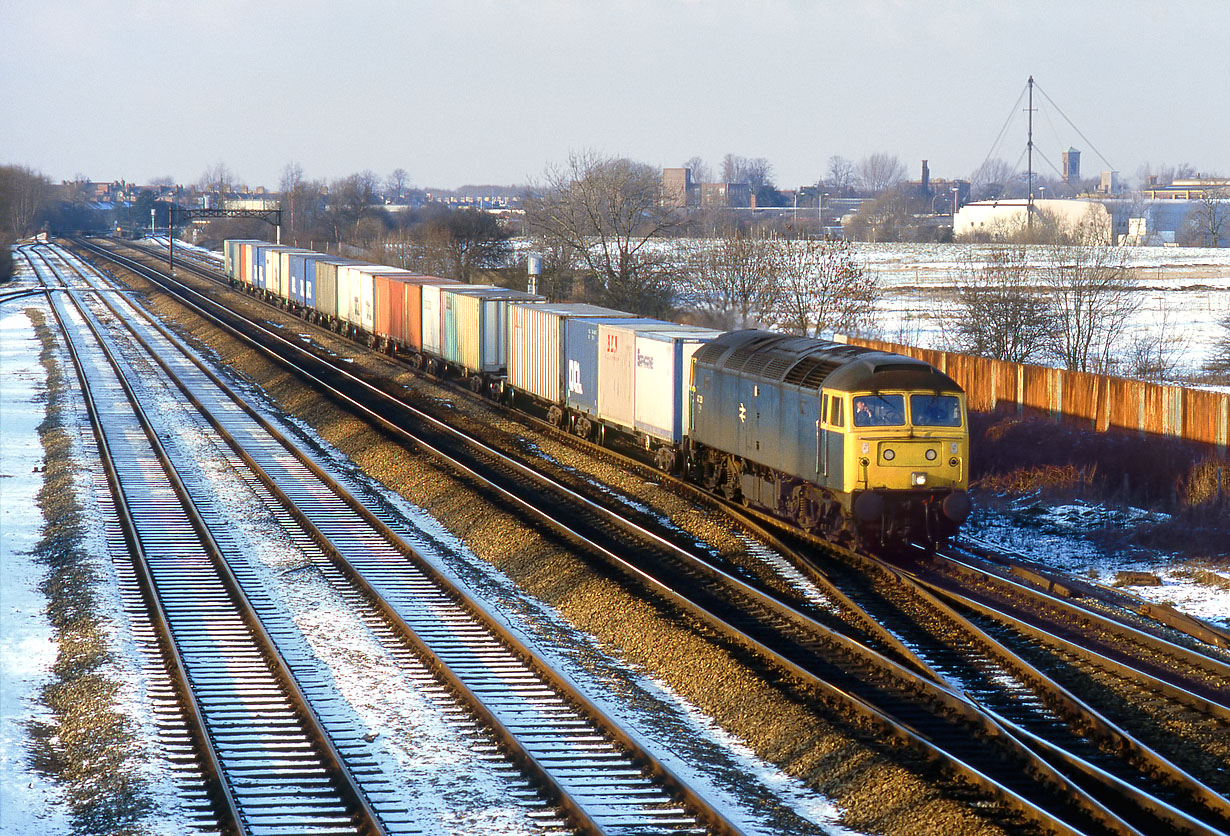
<point x="889" y="454"/>
<point x="930" y="454"/>
<point x="918" y="480"/>
<point x="953" y="462"/>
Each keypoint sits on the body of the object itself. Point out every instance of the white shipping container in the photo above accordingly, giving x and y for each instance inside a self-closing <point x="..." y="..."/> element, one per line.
<point x="276" y="278"/>
<point x="663" y="379"/>
<point x="536" y="345"/>
<point x="431" y="319"/>
<point x="287" y="290"/>
<point x="474" y="325"/>
<point x="617" y="366"/>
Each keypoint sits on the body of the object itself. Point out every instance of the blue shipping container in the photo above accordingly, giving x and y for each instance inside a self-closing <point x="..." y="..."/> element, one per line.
<point x="581" y="359"/>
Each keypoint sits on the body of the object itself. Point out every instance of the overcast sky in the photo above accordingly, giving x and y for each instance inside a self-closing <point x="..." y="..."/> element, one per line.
<point x="492" y="91"/>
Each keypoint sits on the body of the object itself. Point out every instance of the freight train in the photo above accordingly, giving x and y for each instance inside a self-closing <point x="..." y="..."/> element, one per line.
<point x="854" y="445"/>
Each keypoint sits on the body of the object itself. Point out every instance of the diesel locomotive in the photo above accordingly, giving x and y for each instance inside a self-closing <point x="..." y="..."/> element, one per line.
<point x="852" y="444"/>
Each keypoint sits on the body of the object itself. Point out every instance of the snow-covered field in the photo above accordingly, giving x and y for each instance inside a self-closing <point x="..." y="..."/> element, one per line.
<point x="1187" y="289"/>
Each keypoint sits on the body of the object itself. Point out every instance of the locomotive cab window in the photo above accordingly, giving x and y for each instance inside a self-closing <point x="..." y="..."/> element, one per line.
<point x="836" y="415"/>
<point x="935" y="410"/>
<point x="879" y="410"/>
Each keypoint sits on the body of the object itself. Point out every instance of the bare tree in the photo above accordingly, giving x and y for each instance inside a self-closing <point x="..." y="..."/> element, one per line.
<point x="218" y="181"/>
<point x="1091" y="296"/>
<point x="560" y="265"/>
<point x="396" y="185"/>
<point x="879" y="172"/>
<point x="840" y="177"/>
<point x="756" y="172"/>
<point x="727" y="279"/>
<point x="993" y="179"/>
<point x="1208" y="222"/>
<point x="466" y="240"/>
<point x="351" y="199"/>
<point x="819" y="287"/>
<point x="701" y="172"/>
<point x="23" y="195"/>
<point x="1218" y="363"/>
<point x="1157" y="353"/>
<point x="1000" y="312"/>
<point x="607" y="210"/>
<point x="891" y="216"/>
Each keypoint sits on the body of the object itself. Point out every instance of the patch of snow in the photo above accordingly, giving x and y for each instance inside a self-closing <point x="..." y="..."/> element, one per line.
<point x="30" y="802"/>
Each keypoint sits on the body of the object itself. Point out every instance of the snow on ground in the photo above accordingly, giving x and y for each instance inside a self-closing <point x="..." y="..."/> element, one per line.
<point x="1058" y="536"/>
<point x="1187" y="289"/>
<point x="29" y="801"/>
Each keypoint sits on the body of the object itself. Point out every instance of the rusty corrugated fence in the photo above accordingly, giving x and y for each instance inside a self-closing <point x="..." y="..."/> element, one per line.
<point x="1101" y="401"/>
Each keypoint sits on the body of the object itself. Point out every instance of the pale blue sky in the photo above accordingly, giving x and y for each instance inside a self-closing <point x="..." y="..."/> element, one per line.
<point x="491" y="91"/>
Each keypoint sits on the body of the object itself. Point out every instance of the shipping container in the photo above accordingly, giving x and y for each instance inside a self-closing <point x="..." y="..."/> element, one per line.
<point x="355" y="300"/>
<point x="286" y="277"/>
<point x="327" y="293"/>
<point x="259" y="275"/>
<point x="474" y="326"/>
<point x="617" y="365"/>
<point x="581" y="359"/>
<point x="366" y="278"/>
<point x="389" y="312"/>
<point x="414" y="300"/>
<point x="663" y="380"/>
<point x="302" y="268"/>
<point x="232" y="259"/>
<point x="431" y="318"/>
<point x="276" y="277"/>
<point x="247" y="255"/>
<point x="536" y="356"/>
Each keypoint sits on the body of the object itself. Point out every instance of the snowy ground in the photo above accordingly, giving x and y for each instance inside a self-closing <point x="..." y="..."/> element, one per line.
<point x="1069" y="537"/>
<point x="29" y="801"/>
<point x="1188" y="288"/>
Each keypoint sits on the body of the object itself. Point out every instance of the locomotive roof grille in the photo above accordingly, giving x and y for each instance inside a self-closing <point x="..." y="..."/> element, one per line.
<point x="812" y="363"/>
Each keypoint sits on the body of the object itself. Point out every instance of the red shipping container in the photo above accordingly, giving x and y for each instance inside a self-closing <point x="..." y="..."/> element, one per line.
<point x="388" y="313"/>
<point x="414" y="306"/>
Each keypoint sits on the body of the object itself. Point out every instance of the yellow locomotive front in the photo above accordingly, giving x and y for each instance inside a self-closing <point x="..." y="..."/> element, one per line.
<point x="907" y="463"/>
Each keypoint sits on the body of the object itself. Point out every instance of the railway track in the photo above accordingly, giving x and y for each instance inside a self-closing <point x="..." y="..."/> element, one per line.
<point x="265" y="757"/>
<point x="992" y="723"/>
<point x="597" y="777"/>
